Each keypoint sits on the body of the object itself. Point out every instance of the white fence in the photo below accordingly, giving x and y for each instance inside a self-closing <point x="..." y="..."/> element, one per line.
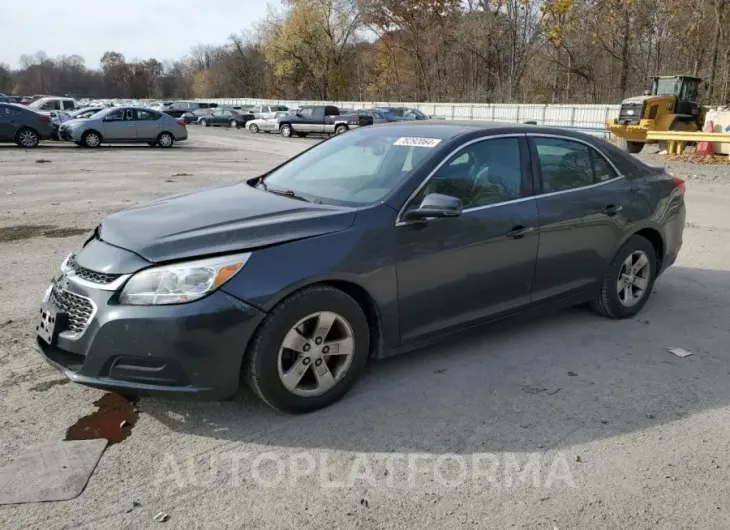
<point x="588" y="117"/>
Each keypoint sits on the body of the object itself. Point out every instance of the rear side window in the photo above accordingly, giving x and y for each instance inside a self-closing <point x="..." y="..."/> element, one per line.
<point x="51" y="105"/>
<point x="147" y="115"/>
<point x="69" y="105"/>
<point x="567" y="165"/>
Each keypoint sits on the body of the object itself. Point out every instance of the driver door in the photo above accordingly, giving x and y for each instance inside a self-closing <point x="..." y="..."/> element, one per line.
<point x="458" y="270"/>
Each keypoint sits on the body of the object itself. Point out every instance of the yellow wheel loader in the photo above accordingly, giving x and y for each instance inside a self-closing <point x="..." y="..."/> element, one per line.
<point x="671" y="105"/>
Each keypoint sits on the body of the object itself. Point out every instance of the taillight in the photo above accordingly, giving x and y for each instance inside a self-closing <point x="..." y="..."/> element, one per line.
<point x="181" y="122"/>
<point x="45" y="118"/>
<point x="680" y="184"/>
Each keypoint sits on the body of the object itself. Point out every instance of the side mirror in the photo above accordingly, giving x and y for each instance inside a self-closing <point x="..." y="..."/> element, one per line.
<point x="435" y="205"/>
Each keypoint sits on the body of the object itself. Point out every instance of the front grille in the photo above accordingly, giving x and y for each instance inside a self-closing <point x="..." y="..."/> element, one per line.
<point x="630" y="113"/>
<point x="79" y="308"/>
<point x="89" y="275"/>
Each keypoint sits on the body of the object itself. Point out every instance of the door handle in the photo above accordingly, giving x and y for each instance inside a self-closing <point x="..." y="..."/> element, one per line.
<point x="612" y="209"/>
<point x="520" y="231"/>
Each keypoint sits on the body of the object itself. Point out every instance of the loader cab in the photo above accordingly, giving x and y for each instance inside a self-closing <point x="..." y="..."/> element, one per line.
<point x="686" y="89"/>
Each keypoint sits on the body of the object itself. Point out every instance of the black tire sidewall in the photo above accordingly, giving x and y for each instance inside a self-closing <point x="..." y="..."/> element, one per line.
<point x="264" y="361"/>
<point x="172" y="140"/>
<point x="341" y="129"/>
<point x="86" y="135"/>
<point x="611" y="294"/>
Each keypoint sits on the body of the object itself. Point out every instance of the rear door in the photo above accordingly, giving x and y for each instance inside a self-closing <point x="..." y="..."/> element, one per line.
<point x="149" y="124"/>
<point x="581" y="215"/>
<point x="458" y="270"/>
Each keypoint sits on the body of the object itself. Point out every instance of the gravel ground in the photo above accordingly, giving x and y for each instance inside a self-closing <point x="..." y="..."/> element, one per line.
<point x="568" y="421"/>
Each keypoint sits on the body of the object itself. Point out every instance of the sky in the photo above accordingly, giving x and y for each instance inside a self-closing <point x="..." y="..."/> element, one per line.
<point x="139" y="29"/>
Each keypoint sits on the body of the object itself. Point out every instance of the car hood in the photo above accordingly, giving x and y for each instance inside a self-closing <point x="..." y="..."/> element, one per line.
<point x="73" y="121"/>
<point x="228" y="218"/>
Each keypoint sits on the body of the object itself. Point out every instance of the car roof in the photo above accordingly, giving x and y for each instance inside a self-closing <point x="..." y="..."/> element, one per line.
<point x="452" y="128"/>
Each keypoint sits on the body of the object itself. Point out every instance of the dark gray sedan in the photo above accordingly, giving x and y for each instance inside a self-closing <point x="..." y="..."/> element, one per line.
<point x="23" y="126"/>
<point x="368" y="244"/>
<point x="125" y="125"/>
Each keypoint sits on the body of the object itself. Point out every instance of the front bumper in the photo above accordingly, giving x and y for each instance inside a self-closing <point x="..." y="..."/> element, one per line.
<point x="192" y="350"/>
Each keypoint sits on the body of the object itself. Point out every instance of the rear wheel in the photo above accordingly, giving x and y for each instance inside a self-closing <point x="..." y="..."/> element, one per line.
<point x="233" y="124"/>
<point x="204" y="123"/>
<point x="629" y="146"/>
<point x="301" y="135"/>
<point x="309" y="351"/>
<point x="253" y="128"/>
<point x="27" y="138"/>
<point x="629" y="280"/>
<point x="165" y="139"/>
<point x="341" y="129"/>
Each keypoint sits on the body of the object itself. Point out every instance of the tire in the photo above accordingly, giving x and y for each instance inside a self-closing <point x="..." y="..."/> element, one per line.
<point x="341" y="129"/>
<point x="301" y="135"/>
<point x="253" y="128"/>
<point x="204" y="123"/>
<point x="91" y="139"/>
<point x="610" y="301"/>
<point x="233" y="124"/>
<point x="27" y="138"/>
<point x="166" y="140"/>
<point x="152" y="144"/>
<point x="267" y="360"/>
<point x="286" y="130"/>
<point x="630" y="147"/>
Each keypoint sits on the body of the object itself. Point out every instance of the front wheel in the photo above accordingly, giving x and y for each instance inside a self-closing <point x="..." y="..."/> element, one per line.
<point x="309" y="351"/>
<point x="253" y="128"/>
<point x="91" y="139"/>
<point x="629" y="280"/>
<point x="204" y="123"/>
<point x="165" y="140"/>
<point x="286" y="130"/>
<point x="233" y="124"/>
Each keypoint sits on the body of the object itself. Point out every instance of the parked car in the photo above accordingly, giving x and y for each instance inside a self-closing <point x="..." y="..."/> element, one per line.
<point x="226" y="118"/>
<point x="267" y="111"/>
<point x="23" y="126"/>
<point x="125" y="125"/>
<point x="178" y="108"/>
<point x="405" y="114"/>
<point x="84" y="113"/>
<point x="410" y="231"/>
<point x="48" y="104"/>
<point x="320" y="119"/>
<point x="267" y="125"/>
<point x="379" y="116"/>
<point x="18" y="100"/>
<point x="194" y="115"/>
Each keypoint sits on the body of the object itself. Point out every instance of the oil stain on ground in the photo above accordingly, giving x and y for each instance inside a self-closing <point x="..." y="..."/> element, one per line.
<point x="18" y="232"/>
<point x="113" y="420"/>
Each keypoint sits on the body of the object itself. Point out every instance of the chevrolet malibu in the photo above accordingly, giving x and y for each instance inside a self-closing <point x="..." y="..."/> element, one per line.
<point x="368" y="244"/>
<point x="125" y="125"/>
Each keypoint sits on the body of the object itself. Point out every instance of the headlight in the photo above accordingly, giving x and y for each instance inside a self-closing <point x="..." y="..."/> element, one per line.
<point x="181" y="282"/>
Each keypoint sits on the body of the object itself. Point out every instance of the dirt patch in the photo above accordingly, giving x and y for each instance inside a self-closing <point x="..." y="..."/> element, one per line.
<point x="18" y="232"/>
<point x="113" y="420"/>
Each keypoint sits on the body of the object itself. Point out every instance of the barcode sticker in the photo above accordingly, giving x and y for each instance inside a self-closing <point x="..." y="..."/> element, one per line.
<point x="418" y="142"/>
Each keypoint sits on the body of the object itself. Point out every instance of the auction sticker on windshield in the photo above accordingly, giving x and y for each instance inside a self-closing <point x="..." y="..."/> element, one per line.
<point x="418" y="142"/>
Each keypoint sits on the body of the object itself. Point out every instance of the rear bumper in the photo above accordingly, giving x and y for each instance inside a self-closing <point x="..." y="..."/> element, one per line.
<point x="673" y="238"/>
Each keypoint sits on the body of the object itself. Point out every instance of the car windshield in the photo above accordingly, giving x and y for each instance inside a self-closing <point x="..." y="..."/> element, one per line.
<point x="352" y="169"/>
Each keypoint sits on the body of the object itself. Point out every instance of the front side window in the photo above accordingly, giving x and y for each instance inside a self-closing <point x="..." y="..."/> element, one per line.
<point x="51" y="105"/>
<point x="306" y="113"/>
<point x="117" y="115"/>
<point x="351" y="169"/>
<point x="481" y="174"/>
<point x="567" y="165"/>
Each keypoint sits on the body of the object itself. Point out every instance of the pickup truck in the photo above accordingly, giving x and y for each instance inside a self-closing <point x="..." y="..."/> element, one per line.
<point x="322" y="119"/>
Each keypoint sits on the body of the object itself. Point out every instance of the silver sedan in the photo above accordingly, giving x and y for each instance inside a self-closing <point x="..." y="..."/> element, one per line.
<point x="125" y="125"/>
<point x="267" y="124"/>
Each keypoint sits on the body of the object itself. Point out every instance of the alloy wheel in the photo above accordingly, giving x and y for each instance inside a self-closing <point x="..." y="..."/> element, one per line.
<point x="633" y="279"/>
<point x="28" y="138"/>
<point x="316" y="354"/>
